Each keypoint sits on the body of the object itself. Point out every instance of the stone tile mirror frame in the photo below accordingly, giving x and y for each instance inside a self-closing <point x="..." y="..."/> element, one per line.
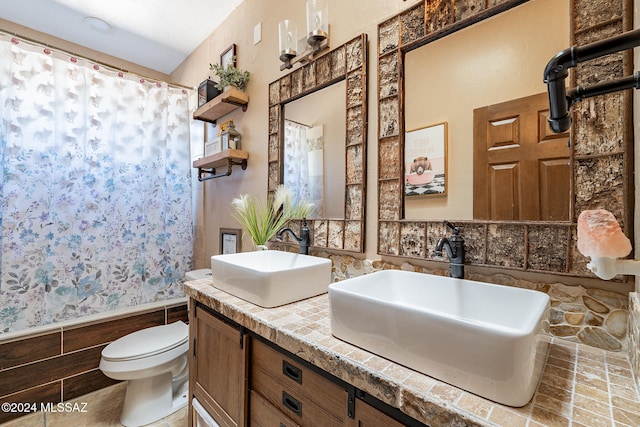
<point x="347" y="62"/>
<point x="601" y="140"/>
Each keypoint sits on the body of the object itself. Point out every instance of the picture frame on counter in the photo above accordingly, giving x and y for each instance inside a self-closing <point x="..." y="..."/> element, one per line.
<point x="230" y="241"/>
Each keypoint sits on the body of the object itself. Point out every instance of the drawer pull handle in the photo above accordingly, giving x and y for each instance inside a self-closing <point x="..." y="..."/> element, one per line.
<point x="292" y="372"/>
<point x="292" y="404"/>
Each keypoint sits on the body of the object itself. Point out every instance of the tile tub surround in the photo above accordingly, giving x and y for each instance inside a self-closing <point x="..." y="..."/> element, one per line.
<point x="581" y="386"/>
<point x="58" y="363"/>
<point x="589" y="316"/>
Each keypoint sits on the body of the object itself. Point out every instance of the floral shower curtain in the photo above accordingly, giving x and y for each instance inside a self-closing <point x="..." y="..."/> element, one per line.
<point x="95" y="188"/>
<point x="304" y="164"/>
<point x="296" y="161"/>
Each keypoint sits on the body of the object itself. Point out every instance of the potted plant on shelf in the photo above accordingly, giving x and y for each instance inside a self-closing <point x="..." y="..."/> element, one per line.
<point x="263" y="220"/>
<point x="230" y="76"/>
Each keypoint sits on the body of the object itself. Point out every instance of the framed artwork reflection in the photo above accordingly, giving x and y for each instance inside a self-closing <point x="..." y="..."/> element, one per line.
<point x="425" y="161"/>
<point x="230" y="240"/>
<point x="228" y="56"/>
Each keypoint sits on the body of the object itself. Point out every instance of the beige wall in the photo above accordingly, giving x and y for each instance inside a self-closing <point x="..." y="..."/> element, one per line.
<point x="494" y="61"/>
<point x="347" y="20"/>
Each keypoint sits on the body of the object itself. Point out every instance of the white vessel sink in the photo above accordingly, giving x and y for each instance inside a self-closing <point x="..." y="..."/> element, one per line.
<point x="271" y="278"/>
<point x="486" y="339"/>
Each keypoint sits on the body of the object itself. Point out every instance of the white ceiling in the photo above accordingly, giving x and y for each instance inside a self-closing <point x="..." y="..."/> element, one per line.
<point x="157" y="34"/>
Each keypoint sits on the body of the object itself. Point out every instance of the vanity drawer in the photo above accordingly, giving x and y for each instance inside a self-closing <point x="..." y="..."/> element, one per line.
<point x="296" y="390"/>
<point x="262" y="413"/>
<point x="304" y="410"/>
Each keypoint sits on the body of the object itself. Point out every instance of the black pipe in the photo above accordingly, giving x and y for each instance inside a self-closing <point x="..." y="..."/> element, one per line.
<point x="580" y="93"/>
<point x="556" y="72"/>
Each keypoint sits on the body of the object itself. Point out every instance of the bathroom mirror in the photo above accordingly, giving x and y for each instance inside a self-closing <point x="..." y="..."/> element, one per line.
<point x="601" y="138"/>
<point x="314" y="149"/>
<point x="341" y="227"/>
<point x="497" y="60"/>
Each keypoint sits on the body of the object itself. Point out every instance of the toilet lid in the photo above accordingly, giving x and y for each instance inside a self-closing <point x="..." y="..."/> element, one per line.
<point x="147" y="342"/>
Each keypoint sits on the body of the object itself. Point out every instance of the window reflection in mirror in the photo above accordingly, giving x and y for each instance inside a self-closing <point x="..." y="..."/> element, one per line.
<point x="494" y="61"/>
<point x="314" y="149"/>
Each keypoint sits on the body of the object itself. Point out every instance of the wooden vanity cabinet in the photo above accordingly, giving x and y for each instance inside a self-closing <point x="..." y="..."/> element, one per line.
<point x="242" y="379"/>
<point x="218" y="369"/>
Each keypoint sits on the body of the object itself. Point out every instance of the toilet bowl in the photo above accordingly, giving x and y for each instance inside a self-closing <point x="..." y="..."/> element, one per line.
<point x="155" y="364"/>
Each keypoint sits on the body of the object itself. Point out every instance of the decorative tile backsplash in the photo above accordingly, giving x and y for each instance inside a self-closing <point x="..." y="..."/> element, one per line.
<point x="589" y="316"/>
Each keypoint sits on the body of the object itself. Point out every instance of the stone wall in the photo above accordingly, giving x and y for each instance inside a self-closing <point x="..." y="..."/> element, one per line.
<point x="590" y="316"/>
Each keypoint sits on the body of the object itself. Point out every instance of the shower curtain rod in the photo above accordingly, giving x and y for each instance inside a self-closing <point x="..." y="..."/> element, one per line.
<point x="104" y="64"/>
<point x="298" y="123"/>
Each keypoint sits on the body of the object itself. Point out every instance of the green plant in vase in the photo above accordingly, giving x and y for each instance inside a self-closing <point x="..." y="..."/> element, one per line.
<point x="263" y="220"/>
<point x="230" y="75"/>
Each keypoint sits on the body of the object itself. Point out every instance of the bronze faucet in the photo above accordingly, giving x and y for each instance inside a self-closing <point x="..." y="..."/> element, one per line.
<point x="455" y="251"/>
<point x="304" y="239"/>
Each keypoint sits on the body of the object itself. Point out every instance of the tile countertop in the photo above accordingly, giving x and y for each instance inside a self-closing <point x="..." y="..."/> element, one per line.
<point x="581" y="386"/>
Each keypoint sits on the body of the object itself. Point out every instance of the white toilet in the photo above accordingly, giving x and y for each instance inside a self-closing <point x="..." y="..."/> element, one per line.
<point x="154" y="361"/>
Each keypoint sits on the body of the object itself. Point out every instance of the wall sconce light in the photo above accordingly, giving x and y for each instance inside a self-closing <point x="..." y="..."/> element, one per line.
<point x="317" y="38"/>
<point x="288" y="40"/>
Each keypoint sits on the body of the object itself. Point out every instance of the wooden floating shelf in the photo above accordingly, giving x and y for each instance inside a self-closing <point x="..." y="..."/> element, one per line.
<point x="222" y="105"/>
<point x="228" y="158"/>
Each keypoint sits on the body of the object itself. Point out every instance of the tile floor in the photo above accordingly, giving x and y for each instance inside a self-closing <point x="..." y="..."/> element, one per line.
<point x="103" y="409"/>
